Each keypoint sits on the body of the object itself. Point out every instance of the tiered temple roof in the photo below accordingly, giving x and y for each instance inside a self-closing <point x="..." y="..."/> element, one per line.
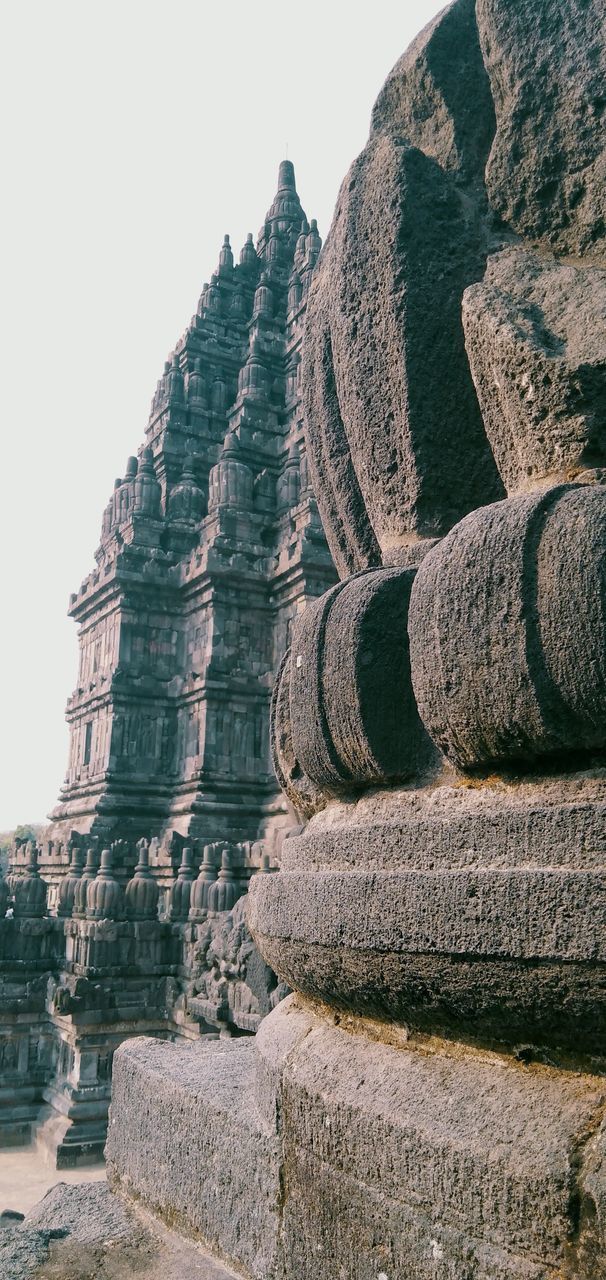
<point x="210" y="544"/>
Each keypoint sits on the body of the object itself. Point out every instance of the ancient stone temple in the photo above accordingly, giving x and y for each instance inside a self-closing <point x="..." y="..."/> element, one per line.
<point x="129" y="919"/>
<point x="210" y="545"/>
<point x="106" y="962"/>
<point x="429" y="1103"/>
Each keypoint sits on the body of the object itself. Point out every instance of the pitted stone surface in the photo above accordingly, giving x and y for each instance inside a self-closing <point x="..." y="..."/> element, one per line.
<point x="304" y="795"/>
<point x="440" y="99"/>
<point x="394" y="431"/>
<point x="22" y="1252"/>
<point x="416" y="1161"/>
<point x="508" y="631"/>
<point x="353" y="715"/>
<point x="473" y="912"/>
<point x="479" y="1140"/>
<point x="535" y="332"/>
<point x="546" y="173"/>
<point x="205" y="1158"/>
<point x="83" y="1231"/>
<point x="460" y="823"/>
<point x="87" y="1212"/>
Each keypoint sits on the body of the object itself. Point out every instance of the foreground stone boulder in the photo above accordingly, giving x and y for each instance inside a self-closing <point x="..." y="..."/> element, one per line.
<point x="429" y="1104"/>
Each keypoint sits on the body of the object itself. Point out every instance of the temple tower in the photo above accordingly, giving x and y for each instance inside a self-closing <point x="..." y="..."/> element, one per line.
<point x="210" y="545"/>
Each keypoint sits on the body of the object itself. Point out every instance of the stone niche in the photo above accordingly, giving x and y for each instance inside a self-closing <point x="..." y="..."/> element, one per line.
<point x="429" y="1103"/>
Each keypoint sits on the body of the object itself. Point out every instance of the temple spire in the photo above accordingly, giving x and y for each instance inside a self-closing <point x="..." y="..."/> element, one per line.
<point x="286" y="176"/>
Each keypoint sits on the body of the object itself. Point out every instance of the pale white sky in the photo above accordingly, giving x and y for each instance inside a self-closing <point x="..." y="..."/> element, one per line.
<point x="134" y="134"/>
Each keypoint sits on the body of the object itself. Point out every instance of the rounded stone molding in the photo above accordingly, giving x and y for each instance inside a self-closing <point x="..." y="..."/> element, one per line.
<point x="305" y="797"/>
<point x="353" y="716"/>
<point x="474" y="913"/>
<point x="507" y="628"/>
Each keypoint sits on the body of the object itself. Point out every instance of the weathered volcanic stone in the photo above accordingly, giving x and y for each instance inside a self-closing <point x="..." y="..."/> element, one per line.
<point x="22" y="1252"/>
<point x="469" y="911"/>
<point x="98" y="1235"/>
<point x="546" y="174"/>
<point x="305" y="797"/>
<point x="204" y="1157"/>
<point x="395" y="435"/>
<point x="535" y="331"/>
<point x="353" y="713"/>
<point x="507" y="628"/>
<point x="450" y="1166"/>
<point x="438" y="95"/>
<point x="393" y="1158"/>
<point x="87" y="1212"/>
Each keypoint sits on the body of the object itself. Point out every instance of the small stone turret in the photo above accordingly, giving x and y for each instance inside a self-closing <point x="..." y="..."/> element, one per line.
<point x="218" y="396"/>
<point x="212" y="298"/>
<point x="295" y="291"/>
<point x="252" y="382"/>
<point x="104" y="895"/>
<point x="314" y="243"/>
<point x="67" y="888"/>
<point x="196" y="386"/>
<point x="237" y="310"/>
<point x="146" y="488"/>
<point x="81" y="888"/>
<point x="207" y="876"/>
<point x="106" y="523"/>
<point x="202" y="299"/>
<point x="226" y="258"/>
<point x="286" y="206"/>
<point x="274" y="249"/>
<point x="115" y="501"/>
<point x="122" y="497"/>
<point x="301" y="245"/>
<point x="248" y="254"/>
<point x="289" y="482"/>
<point x="29" y="889"/>
<point x="231" y="480"/>
<point x="175" y="385"/>
<point x="224" y="893"/>
<point x="264" y="303"/>
<point x="142" y="891"/>
<point x="180" y="892"/>
<point x="186" y="501"/>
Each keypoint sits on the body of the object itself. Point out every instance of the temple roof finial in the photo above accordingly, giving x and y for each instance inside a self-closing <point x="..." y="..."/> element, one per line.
<point x="286" y="176"/>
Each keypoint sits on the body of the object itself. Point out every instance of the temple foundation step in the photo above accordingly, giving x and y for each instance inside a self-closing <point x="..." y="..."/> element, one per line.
<point x="335" y="1147"/>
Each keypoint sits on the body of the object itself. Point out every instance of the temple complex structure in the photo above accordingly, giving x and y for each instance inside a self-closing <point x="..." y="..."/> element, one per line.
<point x="429" y="1101"/>
<point x="210" y="545"/>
